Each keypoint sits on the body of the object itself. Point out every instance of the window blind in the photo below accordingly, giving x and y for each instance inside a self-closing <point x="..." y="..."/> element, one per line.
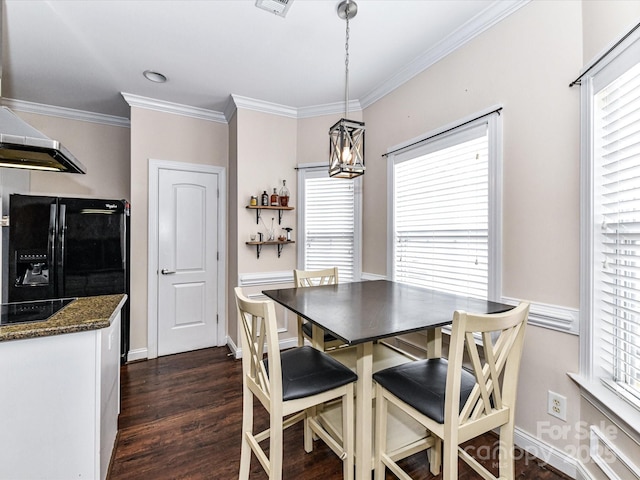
<point x="329" y="223"/>
<point x="441" y="215"/>
<point x="616" y="137"/>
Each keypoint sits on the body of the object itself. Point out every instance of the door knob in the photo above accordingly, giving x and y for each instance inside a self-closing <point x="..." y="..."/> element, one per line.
<point x="164" y="271"/>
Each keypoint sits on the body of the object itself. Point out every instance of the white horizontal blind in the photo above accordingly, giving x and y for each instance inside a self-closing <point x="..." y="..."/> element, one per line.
<point x="616" y="140"/>
<point x="441" y="215"/>
<point x="329" y="223"/>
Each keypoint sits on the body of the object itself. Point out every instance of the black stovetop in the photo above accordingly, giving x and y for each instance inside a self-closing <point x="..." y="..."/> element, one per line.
<point x="37" y="311"/>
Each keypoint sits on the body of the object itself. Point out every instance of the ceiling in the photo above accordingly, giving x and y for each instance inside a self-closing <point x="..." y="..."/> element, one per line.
<point x="82" y="55"/>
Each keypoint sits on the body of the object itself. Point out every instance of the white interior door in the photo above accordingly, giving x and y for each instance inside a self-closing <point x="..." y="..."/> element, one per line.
<point x="187" y="260"/>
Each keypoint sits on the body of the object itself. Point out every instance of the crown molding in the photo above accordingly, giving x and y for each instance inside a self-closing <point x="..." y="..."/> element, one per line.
<point x="261" y="106"/>
<point x="229" y="109"/>
<point x="489" y="17"/>
<point x="329" y="109"/>
<point x="237" y="101"/>
<point x="175" y="108"/>
<point x="63" y="112"/>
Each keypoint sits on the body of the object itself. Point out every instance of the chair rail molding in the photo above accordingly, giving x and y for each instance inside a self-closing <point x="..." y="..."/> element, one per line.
<point x="554" y="317"/>
<point x="265" y="278"/>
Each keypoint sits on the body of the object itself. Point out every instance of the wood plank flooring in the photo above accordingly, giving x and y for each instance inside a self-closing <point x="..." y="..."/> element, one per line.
<point x="181" y="418"/>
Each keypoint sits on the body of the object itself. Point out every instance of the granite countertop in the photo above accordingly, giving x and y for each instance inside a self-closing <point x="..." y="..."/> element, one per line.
<point x="85" y="313"/>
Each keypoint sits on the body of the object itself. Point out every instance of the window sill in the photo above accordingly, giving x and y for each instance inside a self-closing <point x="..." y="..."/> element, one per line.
<point x="609" y="403"/>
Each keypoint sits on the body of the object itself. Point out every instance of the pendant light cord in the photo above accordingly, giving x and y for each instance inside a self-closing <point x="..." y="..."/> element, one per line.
<point x="346" y="66"/>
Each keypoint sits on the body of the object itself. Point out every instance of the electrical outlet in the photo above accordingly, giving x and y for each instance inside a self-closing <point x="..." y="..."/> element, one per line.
<point x="557" y="405"/>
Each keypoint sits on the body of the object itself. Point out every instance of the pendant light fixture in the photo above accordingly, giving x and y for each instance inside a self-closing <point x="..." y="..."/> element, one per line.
<point x="346" y="137"/>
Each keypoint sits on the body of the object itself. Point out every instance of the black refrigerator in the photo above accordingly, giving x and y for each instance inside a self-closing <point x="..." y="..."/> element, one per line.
<point x="69" y="247"/>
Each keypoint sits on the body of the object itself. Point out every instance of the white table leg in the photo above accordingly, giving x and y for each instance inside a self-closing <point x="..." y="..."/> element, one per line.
<point x="364" y="411"/>
<point x="434" y="343"/>
<point x="317" y="337"/>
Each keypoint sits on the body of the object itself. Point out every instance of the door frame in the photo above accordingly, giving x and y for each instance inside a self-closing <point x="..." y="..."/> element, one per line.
<point x="153" y="239"/>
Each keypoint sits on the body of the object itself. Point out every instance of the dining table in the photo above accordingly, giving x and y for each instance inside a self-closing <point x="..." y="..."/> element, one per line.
<point x="362" y="313"/>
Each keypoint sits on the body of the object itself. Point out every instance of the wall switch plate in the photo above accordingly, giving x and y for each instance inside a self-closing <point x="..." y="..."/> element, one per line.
<point x="557" y="405"/>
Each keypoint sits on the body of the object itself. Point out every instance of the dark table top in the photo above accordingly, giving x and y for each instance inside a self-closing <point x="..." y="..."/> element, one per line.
<point x="360" y="312"/>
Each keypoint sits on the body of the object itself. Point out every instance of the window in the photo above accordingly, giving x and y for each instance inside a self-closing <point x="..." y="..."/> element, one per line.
<point x="445" y="211"/>
<point x="329" y="222"/>
<point x="611" y="221"/>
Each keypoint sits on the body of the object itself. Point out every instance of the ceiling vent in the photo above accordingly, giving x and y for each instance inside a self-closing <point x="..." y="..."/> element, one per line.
<point x="279" y="7"/>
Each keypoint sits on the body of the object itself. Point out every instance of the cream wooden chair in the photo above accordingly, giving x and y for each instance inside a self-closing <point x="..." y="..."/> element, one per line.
<point x="288" y="385"/>
<point x="456" y="404"/>
<point x="313" y="278"/>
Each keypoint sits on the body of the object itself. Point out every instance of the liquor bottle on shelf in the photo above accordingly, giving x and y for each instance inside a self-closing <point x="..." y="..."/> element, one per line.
<point x="274" y="198"/>
<point x="264" y="201"/>
<point x="284" y="194"/>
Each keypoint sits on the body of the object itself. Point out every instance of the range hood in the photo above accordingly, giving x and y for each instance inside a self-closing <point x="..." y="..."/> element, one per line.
<point x="22" y="146"/>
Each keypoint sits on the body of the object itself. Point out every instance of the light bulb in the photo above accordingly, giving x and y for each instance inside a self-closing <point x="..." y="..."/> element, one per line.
<point x="346" y="155"/>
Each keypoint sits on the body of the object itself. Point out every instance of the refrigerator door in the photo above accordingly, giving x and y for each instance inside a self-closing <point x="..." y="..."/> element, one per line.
<point x="31" y="248"/>
<point x="91" y="256"/>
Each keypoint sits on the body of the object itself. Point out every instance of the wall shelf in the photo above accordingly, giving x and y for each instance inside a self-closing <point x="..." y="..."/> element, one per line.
<point x="259" y="208"/>
<point x="279" y="243"/>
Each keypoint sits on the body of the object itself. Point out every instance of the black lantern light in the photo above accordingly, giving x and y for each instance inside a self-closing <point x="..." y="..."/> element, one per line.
<point x="346" y="137"/>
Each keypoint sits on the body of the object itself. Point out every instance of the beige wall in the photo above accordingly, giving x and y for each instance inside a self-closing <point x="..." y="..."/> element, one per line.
<point x="162" y="136"/>
<point x="525" y="64"/>
<point x="234" y="244"/>
<point x="103" y="149"/>
<point x="266" y="156"/>
<point x="515" y="66"/>
<point x="265" y="152"/>
<point x="605" y="21"/>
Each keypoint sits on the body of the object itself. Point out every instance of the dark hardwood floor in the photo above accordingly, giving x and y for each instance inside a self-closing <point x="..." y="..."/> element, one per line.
<point x="181" y="418"/>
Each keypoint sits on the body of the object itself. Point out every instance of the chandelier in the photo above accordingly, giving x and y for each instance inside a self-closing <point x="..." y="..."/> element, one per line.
<point x="346" y="137"/>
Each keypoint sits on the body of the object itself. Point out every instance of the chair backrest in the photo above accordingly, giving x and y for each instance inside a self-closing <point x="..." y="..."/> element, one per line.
<point x="259" y="330"/>
<point x="312" y="278"/>
<point x="494" y="346"/>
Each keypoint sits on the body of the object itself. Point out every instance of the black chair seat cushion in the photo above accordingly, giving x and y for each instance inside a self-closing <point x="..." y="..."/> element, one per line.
<point x="306" y="328"/>
<point x="422" y="385"/>
<point x="307" y="371"/>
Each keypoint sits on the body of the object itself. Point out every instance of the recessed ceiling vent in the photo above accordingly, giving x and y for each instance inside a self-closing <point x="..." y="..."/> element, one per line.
<point x="279" y="7"/>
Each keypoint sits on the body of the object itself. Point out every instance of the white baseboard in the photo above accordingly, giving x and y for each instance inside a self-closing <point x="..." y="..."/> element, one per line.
<point x="372" y="276"/>
<point x="235" y="351"/>
<point x="137" y="354"/>
<point x="545" y="452"/>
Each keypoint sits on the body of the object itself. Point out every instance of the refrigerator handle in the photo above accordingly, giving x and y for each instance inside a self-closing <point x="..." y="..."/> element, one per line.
<point x="62" y="227"/>
<point x="53" y="218"/>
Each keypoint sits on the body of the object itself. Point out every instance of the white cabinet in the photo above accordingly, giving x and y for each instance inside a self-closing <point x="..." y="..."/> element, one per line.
<point x="59" y="404"/>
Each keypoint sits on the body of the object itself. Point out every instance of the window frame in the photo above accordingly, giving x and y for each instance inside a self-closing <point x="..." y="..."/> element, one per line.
<point x="607" y="69"/>
<point x="409" y="149"/>
<point x="318" y="170"/>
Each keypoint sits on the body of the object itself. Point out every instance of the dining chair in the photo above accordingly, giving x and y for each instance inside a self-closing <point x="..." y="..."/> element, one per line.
<point x="456" y="403"/>
<point x="289" y="385"/>
<point x="314" y="278"/>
